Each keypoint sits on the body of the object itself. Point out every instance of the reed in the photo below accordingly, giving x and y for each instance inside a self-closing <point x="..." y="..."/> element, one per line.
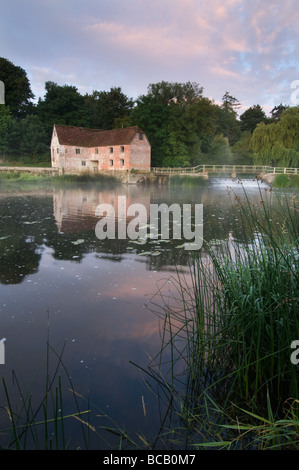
<point x="228" y="332"/>
<point x="186" y="180"/>
<point x="39" y="423"/>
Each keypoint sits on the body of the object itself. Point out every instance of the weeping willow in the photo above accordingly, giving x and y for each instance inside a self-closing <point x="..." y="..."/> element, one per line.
<point x="277" y="144"/>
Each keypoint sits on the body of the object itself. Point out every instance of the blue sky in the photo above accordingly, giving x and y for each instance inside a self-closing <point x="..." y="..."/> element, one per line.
<point x="246" y="47"/>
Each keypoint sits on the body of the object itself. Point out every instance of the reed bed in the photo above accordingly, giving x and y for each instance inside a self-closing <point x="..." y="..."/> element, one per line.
<point x="187" y="180"/>
<point x="227" y="335"/>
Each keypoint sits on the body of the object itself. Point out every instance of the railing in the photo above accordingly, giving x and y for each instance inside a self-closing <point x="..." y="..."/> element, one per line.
<point x="205" y="169"/>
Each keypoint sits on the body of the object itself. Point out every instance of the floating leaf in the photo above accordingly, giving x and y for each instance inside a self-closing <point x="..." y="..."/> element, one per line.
<point x="78" y="242"/>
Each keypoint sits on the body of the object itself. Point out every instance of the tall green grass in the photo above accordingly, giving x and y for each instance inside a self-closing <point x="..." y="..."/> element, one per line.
<point x="227" y="334"/>
<point x="286" y="181"/>
<point x="186" y="180"/>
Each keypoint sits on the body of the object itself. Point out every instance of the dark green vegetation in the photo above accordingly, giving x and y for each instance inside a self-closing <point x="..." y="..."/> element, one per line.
<point x="184" y="127"/>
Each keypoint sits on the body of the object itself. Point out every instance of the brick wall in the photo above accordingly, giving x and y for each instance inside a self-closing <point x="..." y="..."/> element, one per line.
<point x="140" y="153"/>
<point x="118" y="157"/>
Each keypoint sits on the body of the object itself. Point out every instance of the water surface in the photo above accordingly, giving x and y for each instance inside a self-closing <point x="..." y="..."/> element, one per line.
<point x="91" y="298"/>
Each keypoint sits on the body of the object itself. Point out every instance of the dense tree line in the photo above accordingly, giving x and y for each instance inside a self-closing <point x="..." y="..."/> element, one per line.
<point x="184" y="127"/>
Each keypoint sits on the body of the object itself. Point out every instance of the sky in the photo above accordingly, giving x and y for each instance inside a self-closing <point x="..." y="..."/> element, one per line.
<point x="248" y="48"/>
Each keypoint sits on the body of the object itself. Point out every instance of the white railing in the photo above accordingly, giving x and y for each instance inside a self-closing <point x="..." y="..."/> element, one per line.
<point x="205" y="169"/>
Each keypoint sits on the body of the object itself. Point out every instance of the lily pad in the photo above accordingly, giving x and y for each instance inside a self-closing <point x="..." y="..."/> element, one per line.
<point x="79" y="241"/>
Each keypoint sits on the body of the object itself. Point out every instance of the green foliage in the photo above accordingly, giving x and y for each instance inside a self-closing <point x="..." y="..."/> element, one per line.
<point x="18" y="92"/>
<point x="277" y="143"/>
<point x="251" y="117"/>
<point x="61" y="105"/>
<point x="107" y="110"/>
<point x="33" y="136"/>
<point x="186" y="180"/>
<point x="242" y="153"/>
<point x="286" y="181"/>
<point x="6" y="122"/>
<point x="220" y="150"/>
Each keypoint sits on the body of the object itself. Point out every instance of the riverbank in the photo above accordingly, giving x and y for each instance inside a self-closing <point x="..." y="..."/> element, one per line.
<point x="286" y="181"/>
<point x="44" y="174"/>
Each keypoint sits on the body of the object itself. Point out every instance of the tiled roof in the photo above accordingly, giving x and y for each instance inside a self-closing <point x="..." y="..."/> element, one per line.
<point x="82" y="137"/>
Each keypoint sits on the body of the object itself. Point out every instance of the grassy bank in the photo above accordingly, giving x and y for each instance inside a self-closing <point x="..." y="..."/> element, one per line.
<point x="26" y="177"/>
<point x="286" y="181"/>
<point x="186" y="180"/>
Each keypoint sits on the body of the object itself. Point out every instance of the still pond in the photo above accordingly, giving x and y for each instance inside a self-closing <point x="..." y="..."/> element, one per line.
<point x="85" y="309"/>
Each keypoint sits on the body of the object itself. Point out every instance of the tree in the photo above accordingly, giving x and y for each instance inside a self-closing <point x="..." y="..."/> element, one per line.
<point x="277" y="143"/>
<point x="175" y="92"/>
<point x="277" y="111"/>
<point x="242" y="153"/>
<point x="18" y="94"/>
<point x="251" y="117"/>
<point x="230" y="103"/>
<point x="33" y="142"/>
<point x="151" y="116"/>
<point x="106" y="108"/>
<point x="6" y="121"/>
<point x="61" y="105"/>
<point x="220" y="151"/>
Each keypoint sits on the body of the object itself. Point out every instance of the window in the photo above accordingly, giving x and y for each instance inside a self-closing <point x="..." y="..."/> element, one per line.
<point x="83" y="162"/>
<point x="121" y="162"/>
<point x="111" y="149"/>
<point x="140" y="137"/>
<point x="66" y="150"/>
<point x="57" y="150"/>
<point x="111" y="162"/>
<point x="122" y="148"/>
<point x="96" y="150"/>
<point x="78" y="151"/>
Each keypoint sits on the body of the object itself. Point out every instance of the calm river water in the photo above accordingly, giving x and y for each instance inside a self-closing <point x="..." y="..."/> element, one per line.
<point x="90" y="299"/>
